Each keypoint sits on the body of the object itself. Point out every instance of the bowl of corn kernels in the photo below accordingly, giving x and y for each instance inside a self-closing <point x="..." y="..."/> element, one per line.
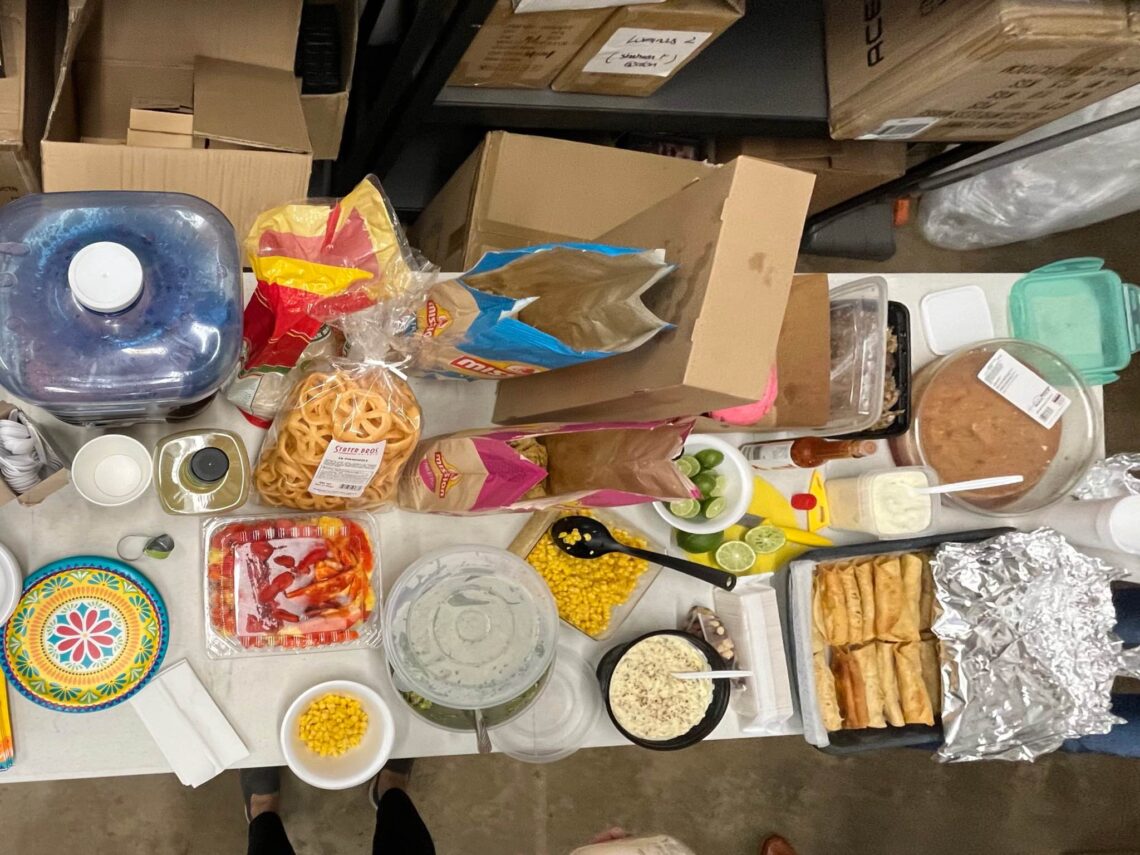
<point x="337" y="735"/>
<point x="593" y="595"/>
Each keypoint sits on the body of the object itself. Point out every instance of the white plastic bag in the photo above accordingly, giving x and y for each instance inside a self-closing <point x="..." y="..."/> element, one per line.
<point x="1074" y="185"/>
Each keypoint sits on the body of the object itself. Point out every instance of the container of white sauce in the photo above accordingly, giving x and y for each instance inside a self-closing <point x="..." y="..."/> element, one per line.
<point x="884" y="502"/>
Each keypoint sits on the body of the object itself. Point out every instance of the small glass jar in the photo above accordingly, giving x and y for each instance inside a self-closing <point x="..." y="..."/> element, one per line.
<point x="201" y="471"/>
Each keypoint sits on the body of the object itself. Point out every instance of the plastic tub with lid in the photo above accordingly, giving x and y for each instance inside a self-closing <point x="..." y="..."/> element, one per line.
<point x="1042" y="425"/>
<point x="117" y="306"/>
<point x="470" y="627"/>
<point x="1082" y="311"/>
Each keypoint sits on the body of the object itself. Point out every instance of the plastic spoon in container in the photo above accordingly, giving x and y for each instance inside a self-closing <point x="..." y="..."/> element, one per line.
<point x="594" y="540"/>
<point x="976" y="484"/>
<point x="710" y="675"/>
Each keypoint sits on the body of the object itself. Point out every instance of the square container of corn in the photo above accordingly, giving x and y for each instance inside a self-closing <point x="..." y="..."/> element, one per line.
<point x="594" y="595"/>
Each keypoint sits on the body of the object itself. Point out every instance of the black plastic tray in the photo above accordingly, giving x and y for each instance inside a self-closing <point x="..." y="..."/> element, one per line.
<point x="870" y="739"/>
<point x="898" y="319"/>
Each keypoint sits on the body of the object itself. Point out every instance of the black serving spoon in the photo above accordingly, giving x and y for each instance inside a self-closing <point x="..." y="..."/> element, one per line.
<point x="595" y="541"/>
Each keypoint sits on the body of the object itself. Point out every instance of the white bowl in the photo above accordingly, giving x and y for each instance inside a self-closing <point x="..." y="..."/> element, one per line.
<point x="111" y="470"/>
<point x="355" y="766"/>
<point x="11" y="583"/>
<point x="738" y="493"/>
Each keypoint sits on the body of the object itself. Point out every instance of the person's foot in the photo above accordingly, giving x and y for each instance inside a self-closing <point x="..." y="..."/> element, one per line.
<point x="261" y="791"/>
<point x="774" y="844"/>
<point x="396" y="774"/>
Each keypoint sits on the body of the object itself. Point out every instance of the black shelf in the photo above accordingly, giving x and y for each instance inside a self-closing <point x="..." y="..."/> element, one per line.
<point x="764" y="76"/>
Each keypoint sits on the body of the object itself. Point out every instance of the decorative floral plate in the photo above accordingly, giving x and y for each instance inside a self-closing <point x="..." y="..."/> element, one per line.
<point x="87" y="634"/>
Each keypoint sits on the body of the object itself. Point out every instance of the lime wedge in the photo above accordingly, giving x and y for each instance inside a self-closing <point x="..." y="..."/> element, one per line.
<point x="688" y="466"/>
<point x="714" y="507"/>
<point x="735" y="556"/>
<point x="765" y="539"/>
<point x="686" y="509"/>
<point x="705" y="482"/>
<point x="720" y="485"/>
<point x="710" y="458"/>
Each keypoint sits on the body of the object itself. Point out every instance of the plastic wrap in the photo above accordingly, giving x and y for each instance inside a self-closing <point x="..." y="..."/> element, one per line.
<point x="1073" y="185"/>
<point x="275" y="584"/>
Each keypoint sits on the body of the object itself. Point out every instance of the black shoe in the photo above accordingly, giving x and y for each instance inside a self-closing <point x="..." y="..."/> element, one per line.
<point x="258" y="781"/>
<point x="396" y="767"/>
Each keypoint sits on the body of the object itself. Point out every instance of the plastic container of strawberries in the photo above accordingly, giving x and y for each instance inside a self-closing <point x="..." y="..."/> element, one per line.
<point x="290" y="583"/>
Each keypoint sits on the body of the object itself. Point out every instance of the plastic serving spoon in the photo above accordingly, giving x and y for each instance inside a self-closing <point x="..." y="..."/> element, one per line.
<point x="976" y="484"/>
<point x="595" y="540"/>
<point x="710" y="675"/>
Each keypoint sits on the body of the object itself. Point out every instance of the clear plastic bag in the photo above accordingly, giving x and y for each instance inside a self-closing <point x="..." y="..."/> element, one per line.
<point x="275" y="584"/>
<point x="1073" y="185"/>
<point x="347" y="425"/>
<point x="319" y="262"/>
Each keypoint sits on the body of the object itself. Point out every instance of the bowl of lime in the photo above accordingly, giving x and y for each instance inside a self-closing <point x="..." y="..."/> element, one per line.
<point x="724" y="479"/>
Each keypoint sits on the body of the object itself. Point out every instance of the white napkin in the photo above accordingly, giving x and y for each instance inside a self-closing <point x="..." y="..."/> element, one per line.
<point x="188" y="726"/>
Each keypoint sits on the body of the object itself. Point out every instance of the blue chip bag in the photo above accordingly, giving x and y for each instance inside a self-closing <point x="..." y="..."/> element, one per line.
<point x="524" y="311"/>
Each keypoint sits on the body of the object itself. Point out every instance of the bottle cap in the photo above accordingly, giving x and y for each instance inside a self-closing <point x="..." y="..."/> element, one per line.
<point x="105" y="277"/>
<point x="209" y="465"/>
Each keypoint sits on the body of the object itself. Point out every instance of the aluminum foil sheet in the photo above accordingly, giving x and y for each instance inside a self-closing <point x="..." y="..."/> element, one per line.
<point x="1118" y="475"/>
<point x="1028" y="649"/>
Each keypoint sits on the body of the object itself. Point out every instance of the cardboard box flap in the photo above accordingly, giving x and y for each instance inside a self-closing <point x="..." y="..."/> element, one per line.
<point x="248" y="105"/>
<point x="259" y="32"/>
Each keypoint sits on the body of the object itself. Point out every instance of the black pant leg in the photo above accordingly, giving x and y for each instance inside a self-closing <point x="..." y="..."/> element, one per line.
<point x="399" y="829"/>
<point x="267" y="836"/>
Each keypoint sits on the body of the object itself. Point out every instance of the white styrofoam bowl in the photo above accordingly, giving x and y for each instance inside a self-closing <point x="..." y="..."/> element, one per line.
<point x="111" y="470"/>
<point x="355" y="766"/>
<point x="738" y="488"/>
<point x="11" y="583"/>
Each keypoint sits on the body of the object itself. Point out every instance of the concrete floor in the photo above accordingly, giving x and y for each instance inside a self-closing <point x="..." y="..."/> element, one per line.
<point x="721" y="798"/>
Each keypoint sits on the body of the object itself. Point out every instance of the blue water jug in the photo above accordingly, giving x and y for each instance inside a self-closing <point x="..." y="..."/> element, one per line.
<point x="117" y="306"/>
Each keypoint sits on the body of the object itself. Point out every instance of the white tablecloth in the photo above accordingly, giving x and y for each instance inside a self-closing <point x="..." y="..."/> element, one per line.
<point x="255" y="691"/>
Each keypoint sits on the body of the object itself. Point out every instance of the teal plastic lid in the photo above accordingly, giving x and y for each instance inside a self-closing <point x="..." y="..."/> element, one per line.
<point x="1083" y="312"/>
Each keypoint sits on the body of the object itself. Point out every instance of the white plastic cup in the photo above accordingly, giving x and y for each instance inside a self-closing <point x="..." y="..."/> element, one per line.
<point x="859" y="503"/>
<point x="1102" y="524"/>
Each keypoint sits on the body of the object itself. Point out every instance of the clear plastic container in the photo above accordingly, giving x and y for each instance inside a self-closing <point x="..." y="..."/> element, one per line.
<point x="858" y="357"/>
<point x="116" y="306"/>
<point x="201" y="472"/>
<point x="470" y="627"/>
<point x="559" y="721"/>
<point x="883" y="502"/>
<point x="963" y="429"/>
<point x="291" y="583"/>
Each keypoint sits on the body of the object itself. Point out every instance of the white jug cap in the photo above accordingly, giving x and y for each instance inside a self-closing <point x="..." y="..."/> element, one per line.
<point x="1119" y="524"/>
<point x="105" y="277"/>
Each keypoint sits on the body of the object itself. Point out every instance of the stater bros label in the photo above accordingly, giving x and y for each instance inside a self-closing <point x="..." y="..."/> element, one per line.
<point x="1024" y="388"/>
<point x="347" y="468"/>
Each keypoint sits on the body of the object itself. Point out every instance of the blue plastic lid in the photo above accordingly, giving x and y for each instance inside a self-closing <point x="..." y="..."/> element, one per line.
<point x="1083" y="312"/>
<point x="117" y="305"/>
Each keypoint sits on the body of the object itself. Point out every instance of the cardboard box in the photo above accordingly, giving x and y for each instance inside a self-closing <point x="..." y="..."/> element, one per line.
<point x="571" y="5"/>
<point x="971" y="69"/>
<point x="842" y="168"/>
<point x="157" y="139"/>
<point x="640" y="47"/>
<point x="517" y="190"/>
<point x="734" y="234"/>
<point x="803" y="362"/>
<point x="118" y="50"/>
<point x="325" y="112"/>
<point x="163" y="117"/>
<point x="28" y="36"/>
<point x="45" y="488"/>
<point x="524" y="51"/>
